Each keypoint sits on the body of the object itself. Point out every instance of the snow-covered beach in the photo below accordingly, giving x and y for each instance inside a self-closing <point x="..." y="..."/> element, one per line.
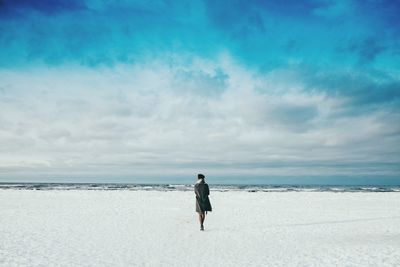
<point x="155" y="228"/>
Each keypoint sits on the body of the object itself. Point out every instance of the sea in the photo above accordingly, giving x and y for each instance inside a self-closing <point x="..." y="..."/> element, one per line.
<point x="189" y="187"/>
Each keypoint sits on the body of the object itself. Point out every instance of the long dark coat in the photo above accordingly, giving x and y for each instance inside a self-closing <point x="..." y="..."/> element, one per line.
<point x="202" y="201"/>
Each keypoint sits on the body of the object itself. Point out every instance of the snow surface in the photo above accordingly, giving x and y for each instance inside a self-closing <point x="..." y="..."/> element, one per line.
<point x="153" y="228"/>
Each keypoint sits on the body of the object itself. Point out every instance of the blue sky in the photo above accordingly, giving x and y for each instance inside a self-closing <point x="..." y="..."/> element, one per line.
<point x="257" y="90"/>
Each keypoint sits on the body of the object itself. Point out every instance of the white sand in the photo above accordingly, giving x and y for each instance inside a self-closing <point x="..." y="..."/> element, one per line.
<point x="150" y="228"/>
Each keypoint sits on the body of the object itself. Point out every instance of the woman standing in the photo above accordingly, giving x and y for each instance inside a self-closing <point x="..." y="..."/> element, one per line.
<point x="202" y="201"/>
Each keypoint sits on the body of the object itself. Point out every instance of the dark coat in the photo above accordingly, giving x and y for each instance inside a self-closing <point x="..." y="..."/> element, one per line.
<point x="202" y="201"/>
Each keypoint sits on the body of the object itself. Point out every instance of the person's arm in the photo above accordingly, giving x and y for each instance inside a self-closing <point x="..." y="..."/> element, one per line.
<point x="207" y="190"/>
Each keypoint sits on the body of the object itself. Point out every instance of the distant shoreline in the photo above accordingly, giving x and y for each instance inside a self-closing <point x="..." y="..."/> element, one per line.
<point x="189" y="187"/>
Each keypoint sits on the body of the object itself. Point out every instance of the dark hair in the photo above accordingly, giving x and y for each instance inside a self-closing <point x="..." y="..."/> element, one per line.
<point x="200" y="176"/>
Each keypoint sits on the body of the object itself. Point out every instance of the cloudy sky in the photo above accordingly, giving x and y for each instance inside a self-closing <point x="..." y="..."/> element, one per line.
<point x="248" y="91"/>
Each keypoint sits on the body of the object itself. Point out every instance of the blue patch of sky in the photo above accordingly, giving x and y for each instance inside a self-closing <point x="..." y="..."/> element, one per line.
<point x="350" y="48"/>
<point x="262" y="34"/>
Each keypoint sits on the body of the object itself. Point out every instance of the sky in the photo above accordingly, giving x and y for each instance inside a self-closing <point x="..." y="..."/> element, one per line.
<point x="304" y="91"/>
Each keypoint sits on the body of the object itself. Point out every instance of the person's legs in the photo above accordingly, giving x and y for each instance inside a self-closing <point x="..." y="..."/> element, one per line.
<point x="201" y="219"/>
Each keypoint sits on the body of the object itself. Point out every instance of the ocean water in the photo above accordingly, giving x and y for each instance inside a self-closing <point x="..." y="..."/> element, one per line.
<point x="189" y="187"/>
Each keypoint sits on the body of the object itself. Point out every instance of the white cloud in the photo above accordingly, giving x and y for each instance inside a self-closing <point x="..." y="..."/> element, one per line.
<point x="170" y="118"/>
